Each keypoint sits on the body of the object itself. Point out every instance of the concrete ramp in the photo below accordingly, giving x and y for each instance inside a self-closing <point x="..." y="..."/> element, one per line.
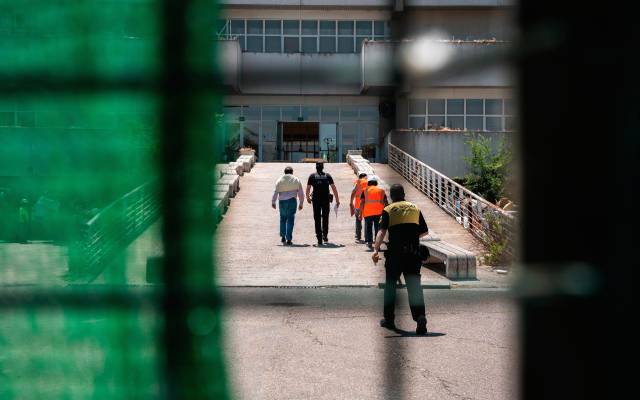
<point x="249" y="251"/>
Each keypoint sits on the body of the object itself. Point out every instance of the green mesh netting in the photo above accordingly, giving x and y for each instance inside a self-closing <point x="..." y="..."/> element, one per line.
<point x="81" y="177"/>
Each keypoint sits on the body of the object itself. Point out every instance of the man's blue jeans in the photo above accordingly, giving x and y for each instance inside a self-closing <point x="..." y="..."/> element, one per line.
<point x="287" y="217"/>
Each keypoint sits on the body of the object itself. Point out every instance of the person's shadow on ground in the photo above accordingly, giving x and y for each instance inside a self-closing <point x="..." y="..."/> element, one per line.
<point x="408" y="334"/>
<point x="294" y="245"/>
<point x="329" y="246"/>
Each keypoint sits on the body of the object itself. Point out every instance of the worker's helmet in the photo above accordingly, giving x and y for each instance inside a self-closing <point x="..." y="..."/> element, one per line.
<point x="372" y="178"/>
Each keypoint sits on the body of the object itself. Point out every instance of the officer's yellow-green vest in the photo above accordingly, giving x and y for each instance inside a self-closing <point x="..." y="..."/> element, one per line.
<point x="402" y="212"/>
<point x="373" y="201"/>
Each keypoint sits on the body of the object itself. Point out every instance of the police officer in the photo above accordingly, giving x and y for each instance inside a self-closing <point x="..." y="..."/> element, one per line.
<point x="320" y="182"/>
<point x="406" y="225"/>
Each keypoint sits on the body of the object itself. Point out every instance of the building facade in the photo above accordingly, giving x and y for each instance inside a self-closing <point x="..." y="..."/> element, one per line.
<point x="316" y="78"/>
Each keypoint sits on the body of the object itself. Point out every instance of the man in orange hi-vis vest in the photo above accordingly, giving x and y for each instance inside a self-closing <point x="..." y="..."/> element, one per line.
<point x="372" y="202"/>
<point x="359" y="185"/>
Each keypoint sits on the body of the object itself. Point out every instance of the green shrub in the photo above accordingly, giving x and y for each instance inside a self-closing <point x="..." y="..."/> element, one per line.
<point x="488" y="167"/>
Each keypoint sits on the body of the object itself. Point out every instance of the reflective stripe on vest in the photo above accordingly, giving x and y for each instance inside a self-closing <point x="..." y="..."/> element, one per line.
<point x="373" y="201"/>
<point x="402" y="212"/>
<point x="361" y="185"/>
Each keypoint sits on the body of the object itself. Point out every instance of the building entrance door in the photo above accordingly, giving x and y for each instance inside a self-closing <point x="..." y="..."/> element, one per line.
<point x="298" y="140"/>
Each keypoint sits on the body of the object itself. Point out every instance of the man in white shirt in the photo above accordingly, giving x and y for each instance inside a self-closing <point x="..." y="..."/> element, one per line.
<point x="288" y="187"/>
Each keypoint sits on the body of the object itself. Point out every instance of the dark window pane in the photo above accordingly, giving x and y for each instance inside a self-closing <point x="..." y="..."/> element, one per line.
<point x="455" y="122"/>
<point x="309" y="45"/>
<point x="345" y="27"/>
<point x="254" y="27"/>
<point x="435" y="122"/>
<point x="237" y="27"/>
<point x="291" y="44"/>
<point x="272" y="27"/>
<point x="272" y="44"/>
<point x="509" y="124"/>
<point x="508" y="107"/>
<point x="329" y="113"/>
<point x="271" y="112"/>
<point x="327" y="27"/>
<point x="493" y="106"/>
<point x="251" y="113"/>
<point x="417" y="106"/>
<point x="436" y="106"/>
<point x="290" y="113"/>
<point x="221" y="26"/>
<point x="494" y="124"/>
<point x="416" y="122"/>
<point x="348" y="113"/>
<point x="291" y="27"/>
<point x="345" y="44"/>
<point x="311" y="113"/>
<point x="381" y="28"/>
<point x="309" y="27"/>
<point x="455" y="106"/>
<point x="254" y="43"/>
<point x="368" y="113"/>
<point x="474" y="106"/>
<point x="363" y="28"/>
<point x="474" y="123"/>
<point x="359" y="40"/>
<point x="327" y="44"/>
<point x="242" y="43"/>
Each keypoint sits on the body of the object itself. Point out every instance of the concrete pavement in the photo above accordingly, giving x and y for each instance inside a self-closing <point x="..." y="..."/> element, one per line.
<point x="326" y="344"/>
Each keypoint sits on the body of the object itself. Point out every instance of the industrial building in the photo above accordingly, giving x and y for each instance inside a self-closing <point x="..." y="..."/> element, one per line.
<point x="316" y="78"/>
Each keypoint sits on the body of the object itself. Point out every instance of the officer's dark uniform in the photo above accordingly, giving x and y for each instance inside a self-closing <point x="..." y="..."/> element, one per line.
<point x="404" y="222"/>
<point x="320" y="181"/>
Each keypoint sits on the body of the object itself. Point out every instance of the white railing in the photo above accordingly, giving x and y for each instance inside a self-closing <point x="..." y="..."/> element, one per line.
<point x="484" y="220"/>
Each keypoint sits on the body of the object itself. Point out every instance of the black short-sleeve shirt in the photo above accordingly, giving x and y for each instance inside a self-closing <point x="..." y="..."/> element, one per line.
<point x="320" y="183"/>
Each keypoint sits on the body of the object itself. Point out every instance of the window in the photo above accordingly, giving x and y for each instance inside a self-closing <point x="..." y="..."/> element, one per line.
<point x="291" y="30"/>
<point x="273" y="32"/>
<point x="461" y="114"/>
<point x="309" y="40"/>
<point x="304" y="36"/>
<point x="345" y="37"/>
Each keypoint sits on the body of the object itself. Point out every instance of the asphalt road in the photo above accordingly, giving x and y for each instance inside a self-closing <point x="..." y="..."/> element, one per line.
<point x="326" y="343"/>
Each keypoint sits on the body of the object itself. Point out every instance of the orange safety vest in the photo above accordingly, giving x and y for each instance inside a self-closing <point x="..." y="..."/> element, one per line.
<point x="373" y="201"/>
<point x="361" y="185"/>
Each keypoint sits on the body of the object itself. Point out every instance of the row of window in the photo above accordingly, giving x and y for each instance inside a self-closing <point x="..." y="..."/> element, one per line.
<point x="461" y="114"/>
<point x="302" y="36"/>
<point x="301" y="113"/>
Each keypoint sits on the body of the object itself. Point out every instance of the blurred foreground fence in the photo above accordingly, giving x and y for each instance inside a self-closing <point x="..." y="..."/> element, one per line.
<point x="494" y="227"/>
<point x="112" y="230"/>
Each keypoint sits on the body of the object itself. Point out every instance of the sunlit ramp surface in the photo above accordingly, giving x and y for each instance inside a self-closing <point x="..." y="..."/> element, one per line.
<point x="248" y="241"/>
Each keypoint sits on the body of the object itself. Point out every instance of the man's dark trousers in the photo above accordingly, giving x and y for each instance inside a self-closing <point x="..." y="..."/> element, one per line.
<point x="409" y="266"/>
<point x="371" y="224"/>
<point x="321" y="211"/>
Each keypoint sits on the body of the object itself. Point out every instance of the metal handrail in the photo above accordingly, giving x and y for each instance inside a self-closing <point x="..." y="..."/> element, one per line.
<point x="112" y="230"/>
<point x="483" y="219"/>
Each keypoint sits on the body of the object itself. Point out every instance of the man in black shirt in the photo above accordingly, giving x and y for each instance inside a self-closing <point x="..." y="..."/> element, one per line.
<point x="406" y="225"/>
<point x="321" y="181"/>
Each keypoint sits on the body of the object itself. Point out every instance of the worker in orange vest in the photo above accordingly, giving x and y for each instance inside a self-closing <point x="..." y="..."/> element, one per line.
<point x="359" y="185"/>
<point x="372" y="202"/>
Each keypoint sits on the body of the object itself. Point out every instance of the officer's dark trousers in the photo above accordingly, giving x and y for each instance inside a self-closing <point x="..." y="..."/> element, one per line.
<point x="321" y="211"/>
<point x="371" y="225"/>
<point x="410" y="268"/>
